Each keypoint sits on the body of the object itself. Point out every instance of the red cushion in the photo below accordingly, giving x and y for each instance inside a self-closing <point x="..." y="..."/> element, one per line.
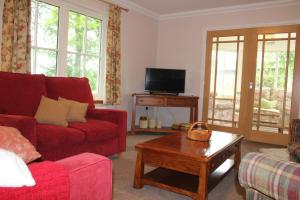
<point x="96" y="130"/>
<point x="77" y="89"/>
<point x="52" y="182"/>
<point x="20" y="94"/>
<point x="50" y="136"/>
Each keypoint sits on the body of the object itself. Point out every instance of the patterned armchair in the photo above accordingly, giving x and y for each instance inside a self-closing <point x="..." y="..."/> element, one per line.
<point x="268" y="178"/>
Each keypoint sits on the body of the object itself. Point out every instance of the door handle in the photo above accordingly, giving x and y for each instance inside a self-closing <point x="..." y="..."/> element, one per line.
<point x="251" y="85"/>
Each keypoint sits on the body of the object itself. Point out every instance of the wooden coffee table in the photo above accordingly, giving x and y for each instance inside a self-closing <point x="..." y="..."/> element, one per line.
<point x="184" y="166"/>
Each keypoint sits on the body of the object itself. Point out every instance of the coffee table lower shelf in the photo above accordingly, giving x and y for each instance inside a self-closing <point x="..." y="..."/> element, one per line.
<point x="183" y="183"/>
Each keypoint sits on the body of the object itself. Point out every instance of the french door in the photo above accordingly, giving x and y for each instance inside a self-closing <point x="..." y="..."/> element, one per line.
<point x="249" y="81"/>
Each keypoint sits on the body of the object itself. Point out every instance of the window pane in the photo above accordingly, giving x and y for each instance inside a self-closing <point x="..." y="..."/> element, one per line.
<point x="76" y="32"/>
<point x="45" y="62"/>
<point x="92" y="71"/>
<point x="75" y="65"/>
<point x="228" y="38"/>
<point x="277" y="35"/>
<point x="47" y="25"/>
<point x="93" y="36"/>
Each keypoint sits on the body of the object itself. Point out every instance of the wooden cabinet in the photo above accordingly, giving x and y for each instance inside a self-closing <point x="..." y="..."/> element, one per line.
<point x="162" y="101"/>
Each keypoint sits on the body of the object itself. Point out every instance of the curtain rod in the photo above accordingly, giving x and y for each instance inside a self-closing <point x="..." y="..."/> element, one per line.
<point x="107" y="2"/>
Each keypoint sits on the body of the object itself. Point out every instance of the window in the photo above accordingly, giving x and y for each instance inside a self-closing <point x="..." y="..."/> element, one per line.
<point x="67" y="41"/>
<point x="44" y="38"/>
<point x="84" y="36"/>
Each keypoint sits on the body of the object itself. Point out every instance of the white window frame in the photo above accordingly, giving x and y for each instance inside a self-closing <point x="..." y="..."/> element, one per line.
<point x="65" y="7"/>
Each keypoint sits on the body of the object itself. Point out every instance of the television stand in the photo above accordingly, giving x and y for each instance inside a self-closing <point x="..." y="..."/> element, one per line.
<point x="162" y="101"/>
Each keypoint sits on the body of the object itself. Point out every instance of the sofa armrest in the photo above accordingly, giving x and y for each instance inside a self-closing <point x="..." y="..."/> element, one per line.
<point x="118" y="117"/>
<point x="90" y="176"/>
<point x="274" y="178"/>
<point x="25" y="124"/>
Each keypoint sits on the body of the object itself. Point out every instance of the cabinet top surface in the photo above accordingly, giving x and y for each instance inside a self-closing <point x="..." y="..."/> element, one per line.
<point x="178" y="143"/>
<point x="163" y="95"/>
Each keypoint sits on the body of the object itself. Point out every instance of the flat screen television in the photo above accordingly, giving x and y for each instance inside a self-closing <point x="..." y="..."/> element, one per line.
<point x="170" y="81"/>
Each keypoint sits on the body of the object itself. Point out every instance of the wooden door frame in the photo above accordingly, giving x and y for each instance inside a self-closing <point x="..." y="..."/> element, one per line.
<point x="248" y="75"/>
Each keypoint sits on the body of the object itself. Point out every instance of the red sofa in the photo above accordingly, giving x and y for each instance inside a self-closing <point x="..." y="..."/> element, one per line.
<point x="104" y="132"/>
<point x="84" y="176"/>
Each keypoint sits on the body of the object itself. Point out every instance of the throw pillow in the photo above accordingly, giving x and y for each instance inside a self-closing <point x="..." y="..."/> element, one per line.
<point x="12" y="140"/>
<point x="13" y="171"/>
<point x="53" y="112"/>
<point x="77" y="110"/>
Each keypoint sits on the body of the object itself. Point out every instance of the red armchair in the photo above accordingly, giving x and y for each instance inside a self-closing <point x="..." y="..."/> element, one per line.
<point x="84" y="176"/>
<point x="104" y="132"/>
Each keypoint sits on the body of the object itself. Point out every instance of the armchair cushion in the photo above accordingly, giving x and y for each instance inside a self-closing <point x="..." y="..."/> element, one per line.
<point x="274" y="178"/>
<point x="52" y="182"/>
<point x="12" y="140"/>
<point x="26" y="125"/>
<point x="96" y="130"/>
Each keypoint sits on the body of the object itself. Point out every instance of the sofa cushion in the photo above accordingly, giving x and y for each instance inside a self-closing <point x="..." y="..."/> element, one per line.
<point x="77" y="89"/>
<point x="50" y="136"/>
<point x="12" y="140"/>
<point x="52" y="112"/>
<point x="21" y="93"/>
<point x="77" y="110"/>
<point x="96" y="130"/>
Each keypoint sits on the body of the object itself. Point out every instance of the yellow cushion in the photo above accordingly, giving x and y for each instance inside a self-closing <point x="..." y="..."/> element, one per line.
<point x="77" y="110"/>
<point x="52" y="112"/>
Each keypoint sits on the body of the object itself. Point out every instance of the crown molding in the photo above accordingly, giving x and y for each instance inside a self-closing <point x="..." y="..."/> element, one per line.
<point x="137" y="8"/>
<point x="230" y="9"/>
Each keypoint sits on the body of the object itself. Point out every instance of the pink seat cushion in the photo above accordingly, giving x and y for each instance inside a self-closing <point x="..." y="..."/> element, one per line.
<point x="77" y="89"/>
<point x="96" y="130"/>
<point x="21" y="93"/>
<point x="90" y="176"/>
<point x="50" y="136"/>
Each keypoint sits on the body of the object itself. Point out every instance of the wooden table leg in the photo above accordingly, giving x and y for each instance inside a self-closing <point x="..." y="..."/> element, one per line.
<point x="237" y="157"/>
<point x="139" y="170"/>
<point x="203" y="182"/>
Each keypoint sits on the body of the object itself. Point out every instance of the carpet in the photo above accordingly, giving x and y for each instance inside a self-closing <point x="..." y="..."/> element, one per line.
<point x="123" y="173"/>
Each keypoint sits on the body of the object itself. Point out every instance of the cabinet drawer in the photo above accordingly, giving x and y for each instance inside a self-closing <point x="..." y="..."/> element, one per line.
<point x="150" y="101"/>
<point x="180" y="102"/>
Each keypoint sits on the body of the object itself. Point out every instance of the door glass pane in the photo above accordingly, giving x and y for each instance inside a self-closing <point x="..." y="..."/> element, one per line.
<point x="212" y="80"/>
<point x="273" y="85"/>
<point x="225" y="82"/>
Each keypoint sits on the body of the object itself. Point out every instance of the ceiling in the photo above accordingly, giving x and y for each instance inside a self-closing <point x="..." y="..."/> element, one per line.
<point x="163" y="7"/>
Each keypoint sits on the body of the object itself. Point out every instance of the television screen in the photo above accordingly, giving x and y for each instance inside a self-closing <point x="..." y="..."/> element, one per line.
<point x="165" y="80"/>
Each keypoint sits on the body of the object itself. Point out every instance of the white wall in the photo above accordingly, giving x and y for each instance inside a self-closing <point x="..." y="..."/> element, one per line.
<point x="181" y="42"/>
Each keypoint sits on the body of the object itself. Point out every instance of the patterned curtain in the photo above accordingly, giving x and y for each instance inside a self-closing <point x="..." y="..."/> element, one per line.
<point x="113" y="57"/>
<point x="16" y="45"/>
